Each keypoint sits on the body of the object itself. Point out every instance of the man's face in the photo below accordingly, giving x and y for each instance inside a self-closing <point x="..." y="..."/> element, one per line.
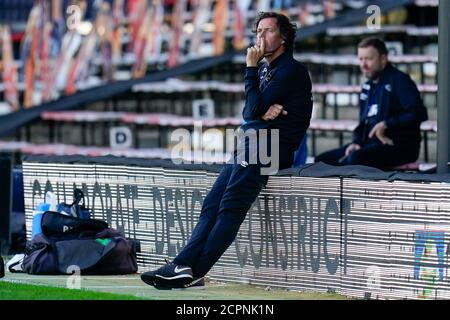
<point x="268" y="32"/>
<point x="371" y="62"/>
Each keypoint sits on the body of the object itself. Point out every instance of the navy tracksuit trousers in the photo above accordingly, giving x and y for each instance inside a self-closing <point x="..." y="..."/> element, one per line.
<point x="223" y="212"/>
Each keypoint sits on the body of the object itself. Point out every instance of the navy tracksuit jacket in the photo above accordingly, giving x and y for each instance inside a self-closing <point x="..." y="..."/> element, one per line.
<point x="285" y="82"/>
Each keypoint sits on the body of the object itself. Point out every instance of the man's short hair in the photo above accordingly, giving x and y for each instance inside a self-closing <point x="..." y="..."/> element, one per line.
<point x="376" y="43"/>
<point x="287" y="29"/>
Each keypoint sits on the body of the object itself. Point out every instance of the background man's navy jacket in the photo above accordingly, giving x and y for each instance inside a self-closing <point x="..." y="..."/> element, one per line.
<point x="399" y="104"/>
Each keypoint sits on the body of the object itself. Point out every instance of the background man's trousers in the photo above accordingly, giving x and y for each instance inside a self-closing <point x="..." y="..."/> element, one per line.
<point x="375" y="155"/>
<point x="223" y="211"/>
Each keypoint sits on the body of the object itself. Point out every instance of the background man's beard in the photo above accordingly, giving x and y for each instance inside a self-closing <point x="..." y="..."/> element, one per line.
<point x="374" y="76"/>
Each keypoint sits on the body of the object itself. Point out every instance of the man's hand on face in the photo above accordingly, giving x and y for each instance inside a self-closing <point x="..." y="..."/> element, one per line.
<point x="274" y="111"/>
<point x="255" y="54"/>
<point x="379" y="132"/>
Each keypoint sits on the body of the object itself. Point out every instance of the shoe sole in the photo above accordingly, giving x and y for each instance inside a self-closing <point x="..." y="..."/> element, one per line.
<point x="163" y="283"/>
<point x="173" y="282"/>
<point x="148" y="280"/>
<point x="194" y="285"/>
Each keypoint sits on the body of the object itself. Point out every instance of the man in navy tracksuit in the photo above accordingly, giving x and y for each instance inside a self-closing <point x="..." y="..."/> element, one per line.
<point x="391" y="111"/>
<point x="278" y="96"/>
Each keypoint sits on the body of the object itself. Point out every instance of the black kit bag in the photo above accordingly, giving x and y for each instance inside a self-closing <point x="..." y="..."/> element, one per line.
<point x="40" y="257"/>
<point x="86" y="244"/>
<point x="109" y="253"/>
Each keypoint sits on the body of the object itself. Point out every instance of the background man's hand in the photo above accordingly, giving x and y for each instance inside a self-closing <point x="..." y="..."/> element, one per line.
<point x="351" y="148"/>
<point x="274" y="111"/>
<point x="379" y="132"/>
<point x="255" y="54"/>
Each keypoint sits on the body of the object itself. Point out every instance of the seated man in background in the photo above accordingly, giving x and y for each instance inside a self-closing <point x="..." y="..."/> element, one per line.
<point x="391" y="110"/>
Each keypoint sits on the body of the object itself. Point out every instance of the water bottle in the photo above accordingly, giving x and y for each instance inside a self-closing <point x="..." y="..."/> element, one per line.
<point x="48" y="205"/>
<point x="51" y="199"/>
<point x="37" y="218"/>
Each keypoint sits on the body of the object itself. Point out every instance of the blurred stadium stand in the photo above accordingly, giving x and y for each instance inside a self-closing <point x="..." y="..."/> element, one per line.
<point x="155" y="96"/>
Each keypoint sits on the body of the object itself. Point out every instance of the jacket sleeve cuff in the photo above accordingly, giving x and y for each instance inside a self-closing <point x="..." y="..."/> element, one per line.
<point x="251" y="71"/>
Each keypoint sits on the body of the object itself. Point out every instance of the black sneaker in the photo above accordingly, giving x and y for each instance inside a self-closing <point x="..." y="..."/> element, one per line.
<point x="168" y="276"/>
<point x="196" y="283"/>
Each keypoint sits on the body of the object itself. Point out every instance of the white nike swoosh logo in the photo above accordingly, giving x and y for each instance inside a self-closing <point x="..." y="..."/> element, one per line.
<point x="179" y="270"/>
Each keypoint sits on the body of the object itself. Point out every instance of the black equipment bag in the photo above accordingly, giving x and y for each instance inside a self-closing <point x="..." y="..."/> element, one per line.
<point x="86" y="244"/>
<point x="57" y="226"/>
